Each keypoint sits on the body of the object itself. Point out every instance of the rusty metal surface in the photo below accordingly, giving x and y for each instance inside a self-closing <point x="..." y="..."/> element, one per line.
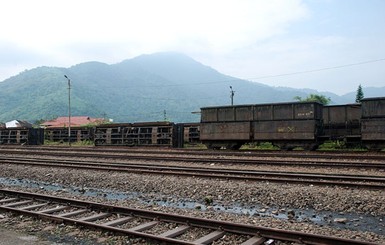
<point x="232" y="126"/>
<point x="373" y="129"/>
<point x="341" y="114"/>
<point x="288" y="111"/>
<point x="226" y="114"/>
<point x="209" y="115"/>
<point x="342" y="121"/>
<point x="225" y="131"/>
<point x="136" y="134"/>
<point x="244" y="113"/>
<point x="285" y="130"/>
<point x="373" y="107"/>
<point x="22" y="136"/>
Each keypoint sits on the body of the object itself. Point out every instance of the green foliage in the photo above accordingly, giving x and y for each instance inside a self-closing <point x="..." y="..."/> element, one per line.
<point x="265" y="146"/>
<point x="338" y="145"/>
<point x="359" y="94"/>
<point x="135" y="90"/>
<point x="332" y="145"/>
<point x="194" y="146"/>
<point x="314" y="98"/>
<point x="209" y="200"/>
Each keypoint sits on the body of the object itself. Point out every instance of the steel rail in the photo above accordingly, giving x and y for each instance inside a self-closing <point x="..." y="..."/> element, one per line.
<point x="210" y="160"/>
<point x="37" y="205"/>
<point x="351" y="177"/>
<point x="272" y="176"/>
<point x="300" y="154"/>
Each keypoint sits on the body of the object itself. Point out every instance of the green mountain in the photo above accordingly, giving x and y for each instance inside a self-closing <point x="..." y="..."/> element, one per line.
<point x="146" y="88"/>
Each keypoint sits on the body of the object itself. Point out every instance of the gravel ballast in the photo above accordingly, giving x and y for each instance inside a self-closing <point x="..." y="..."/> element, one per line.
<point x="272" y="200"/>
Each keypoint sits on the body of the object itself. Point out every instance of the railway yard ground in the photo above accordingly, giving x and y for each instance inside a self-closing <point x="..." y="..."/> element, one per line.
<point x="343" y="211"/>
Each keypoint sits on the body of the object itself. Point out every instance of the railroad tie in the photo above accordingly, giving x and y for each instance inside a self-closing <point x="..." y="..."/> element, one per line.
<point x="53" y="210"/>
<point x="6" y="200"/>
<point x="73" y="213"/>
<point x="145" y="226"/>
<point x="14" y="204"/>
<point x="209" y="238"/>
<point x="175" y="232"/>
<point x="117" y="222"/>
<point x="255" y="240"/>
<point x="32" y="207"/>
<point x="95" y="217"/>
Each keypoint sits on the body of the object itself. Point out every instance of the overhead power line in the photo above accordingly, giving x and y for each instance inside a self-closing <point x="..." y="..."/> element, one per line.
<point x="320" y="69"/>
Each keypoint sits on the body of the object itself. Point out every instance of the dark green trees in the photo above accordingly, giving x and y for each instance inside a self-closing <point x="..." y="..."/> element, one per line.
<point x="314" y="98"/>
<point x="359" y="94"/>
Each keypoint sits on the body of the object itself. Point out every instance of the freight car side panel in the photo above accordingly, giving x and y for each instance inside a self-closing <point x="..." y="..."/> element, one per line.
<point x="263" y="112"/>
<point x="285" y="130"/>
<point x="225" y="131"/>
<point x="373" y="129"/>
<point x="209" y="115"/>
<point x="373" y="107"/>
<point x="244" y="113"/>
<point x="226" y="114"/>
<point x="21" y="136"/>
<point x="288" y="111"/>
<point x="283" y="112"/>
<point x="308" y="111"/>
<point x="341" y="121"/>
<point x="14" y="136"/>
<point x="341" y="114"/>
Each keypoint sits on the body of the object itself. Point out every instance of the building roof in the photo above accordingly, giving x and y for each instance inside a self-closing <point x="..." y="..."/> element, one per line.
<point x="75" y="122"/>
<point x="18" y="124"/>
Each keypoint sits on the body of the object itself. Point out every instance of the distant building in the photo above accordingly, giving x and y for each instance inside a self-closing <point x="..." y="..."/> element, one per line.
<point x="18" y="124"/>
<point x="75" y="122"/>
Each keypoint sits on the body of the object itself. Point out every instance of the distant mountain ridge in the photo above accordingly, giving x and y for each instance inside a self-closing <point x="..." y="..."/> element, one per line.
<point x="154" y="87"/>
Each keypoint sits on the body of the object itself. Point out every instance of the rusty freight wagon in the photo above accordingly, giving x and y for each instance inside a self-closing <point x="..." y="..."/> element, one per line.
<point x="187" y="133"/>
<point x="21" y="136"/>
<point x="136" y="134"/>
<point x="286" y="125"/>
<point x="373" y="123"/>
<point x="342" y="122"/>
<point x="77" y="134"/>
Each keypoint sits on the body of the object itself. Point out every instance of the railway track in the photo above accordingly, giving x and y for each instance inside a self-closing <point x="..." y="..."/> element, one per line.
<point x="353" y="181"/>
<point x="154" y="226"/>
<point x="70" y="152"/>
<point x="167" y="151"/>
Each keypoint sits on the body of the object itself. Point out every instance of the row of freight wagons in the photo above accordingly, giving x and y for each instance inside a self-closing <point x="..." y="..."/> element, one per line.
<point x="285" y="124"/>
<point x="288" y="125"/>
<point x="130" y="134"/>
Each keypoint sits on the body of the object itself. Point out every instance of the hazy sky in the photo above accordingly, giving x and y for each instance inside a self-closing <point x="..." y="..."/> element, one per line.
<point x="276" y="42"/>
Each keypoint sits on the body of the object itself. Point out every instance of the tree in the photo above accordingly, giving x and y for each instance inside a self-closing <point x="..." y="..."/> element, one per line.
<point x="359" y="94"/>
<point x="314" y="98"/>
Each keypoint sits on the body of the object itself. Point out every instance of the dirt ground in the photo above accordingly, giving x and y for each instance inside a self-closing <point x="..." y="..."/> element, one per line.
<point x="17" y="238"/>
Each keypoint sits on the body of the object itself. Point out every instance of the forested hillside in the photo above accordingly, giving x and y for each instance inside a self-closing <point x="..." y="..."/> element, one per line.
<point x="145" y="88"/>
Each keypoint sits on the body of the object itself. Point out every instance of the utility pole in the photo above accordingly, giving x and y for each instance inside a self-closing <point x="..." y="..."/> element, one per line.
<point x="69" y="110"/>
<point x="232" y="95"/>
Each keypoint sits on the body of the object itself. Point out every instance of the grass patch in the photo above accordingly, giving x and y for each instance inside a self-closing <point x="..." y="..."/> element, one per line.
<point x="265" y="146"/>
<point x="194" y="146"/>
<point x="339" y="145"/>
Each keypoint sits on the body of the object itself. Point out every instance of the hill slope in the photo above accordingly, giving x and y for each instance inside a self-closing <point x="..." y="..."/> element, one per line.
<point x="145" y="88"/>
